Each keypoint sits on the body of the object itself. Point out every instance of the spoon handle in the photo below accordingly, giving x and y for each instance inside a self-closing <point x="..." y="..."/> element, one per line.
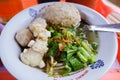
<point x="108" y="27"/>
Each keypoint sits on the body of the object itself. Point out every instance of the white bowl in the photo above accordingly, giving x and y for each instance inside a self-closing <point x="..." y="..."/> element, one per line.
<point x="10" y="50"/>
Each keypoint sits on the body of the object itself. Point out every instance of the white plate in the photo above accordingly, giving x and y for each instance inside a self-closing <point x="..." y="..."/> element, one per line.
<point x="10" y="50"/>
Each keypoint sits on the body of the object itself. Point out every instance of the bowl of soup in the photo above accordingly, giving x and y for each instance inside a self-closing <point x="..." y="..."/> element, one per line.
<point x="45" y="42"/>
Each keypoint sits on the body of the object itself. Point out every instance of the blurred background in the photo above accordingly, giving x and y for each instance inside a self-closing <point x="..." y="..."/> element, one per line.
<point x="110" y="9"/>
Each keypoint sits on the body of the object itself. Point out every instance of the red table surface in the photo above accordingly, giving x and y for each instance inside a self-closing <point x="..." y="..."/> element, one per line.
<point x="4" y="74"/>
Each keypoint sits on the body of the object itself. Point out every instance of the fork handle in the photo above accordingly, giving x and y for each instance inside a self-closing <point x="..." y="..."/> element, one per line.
<point x="107" y="27"/>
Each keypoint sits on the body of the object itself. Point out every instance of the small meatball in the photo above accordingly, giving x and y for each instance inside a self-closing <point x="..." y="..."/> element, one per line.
<point x="32" y="58"/>
<point x="36" y="25"/>
<point x="44" y="34"/>
<point x="64" y="14"/>
<point x="39" y="46"/>
<point x="23" y="37"/>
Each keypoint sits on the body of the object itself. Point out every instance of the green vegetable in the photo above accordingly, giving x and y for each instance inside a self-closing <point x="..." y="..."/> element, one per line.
<point x="53" y="48"/>
<point x="94" y="45"/>
<point x="86" y="56"/>
<point x="84" y="52"/>
<point x="87" y="46"/>
<point x="76" y="53"/>
<point x="70" y="50"/>
<point x="65" y="59"/>
<point x="76" y="64"/>
<point x="68" y="69"/>
<point x="50" y="29"/>
<point x="92" y="59"/>
<point x="81" y="57"/>
<point x="69" y="32"/>
<point x="57" y="35"/>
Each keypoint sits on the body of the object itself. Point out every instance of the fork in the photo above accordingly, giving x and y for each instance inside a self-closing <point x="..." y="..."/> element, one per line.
<point x="106" y="27"/>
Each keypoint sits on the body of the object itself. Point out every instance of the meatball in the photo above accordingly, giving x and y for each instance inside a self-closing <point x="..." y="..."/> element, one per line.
<point x="23" y="37"/>
<point x="42" y="33"/>
<point x="64" y="14"/>
<point x="32" y="58"/>
<point x="39" y="46"/>
<point x="36" y="26"/>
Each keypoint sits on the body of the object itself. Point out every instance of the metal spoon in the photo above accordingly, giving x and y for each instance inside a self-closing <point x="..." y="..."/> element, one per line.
<point x="106" y="27"/>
